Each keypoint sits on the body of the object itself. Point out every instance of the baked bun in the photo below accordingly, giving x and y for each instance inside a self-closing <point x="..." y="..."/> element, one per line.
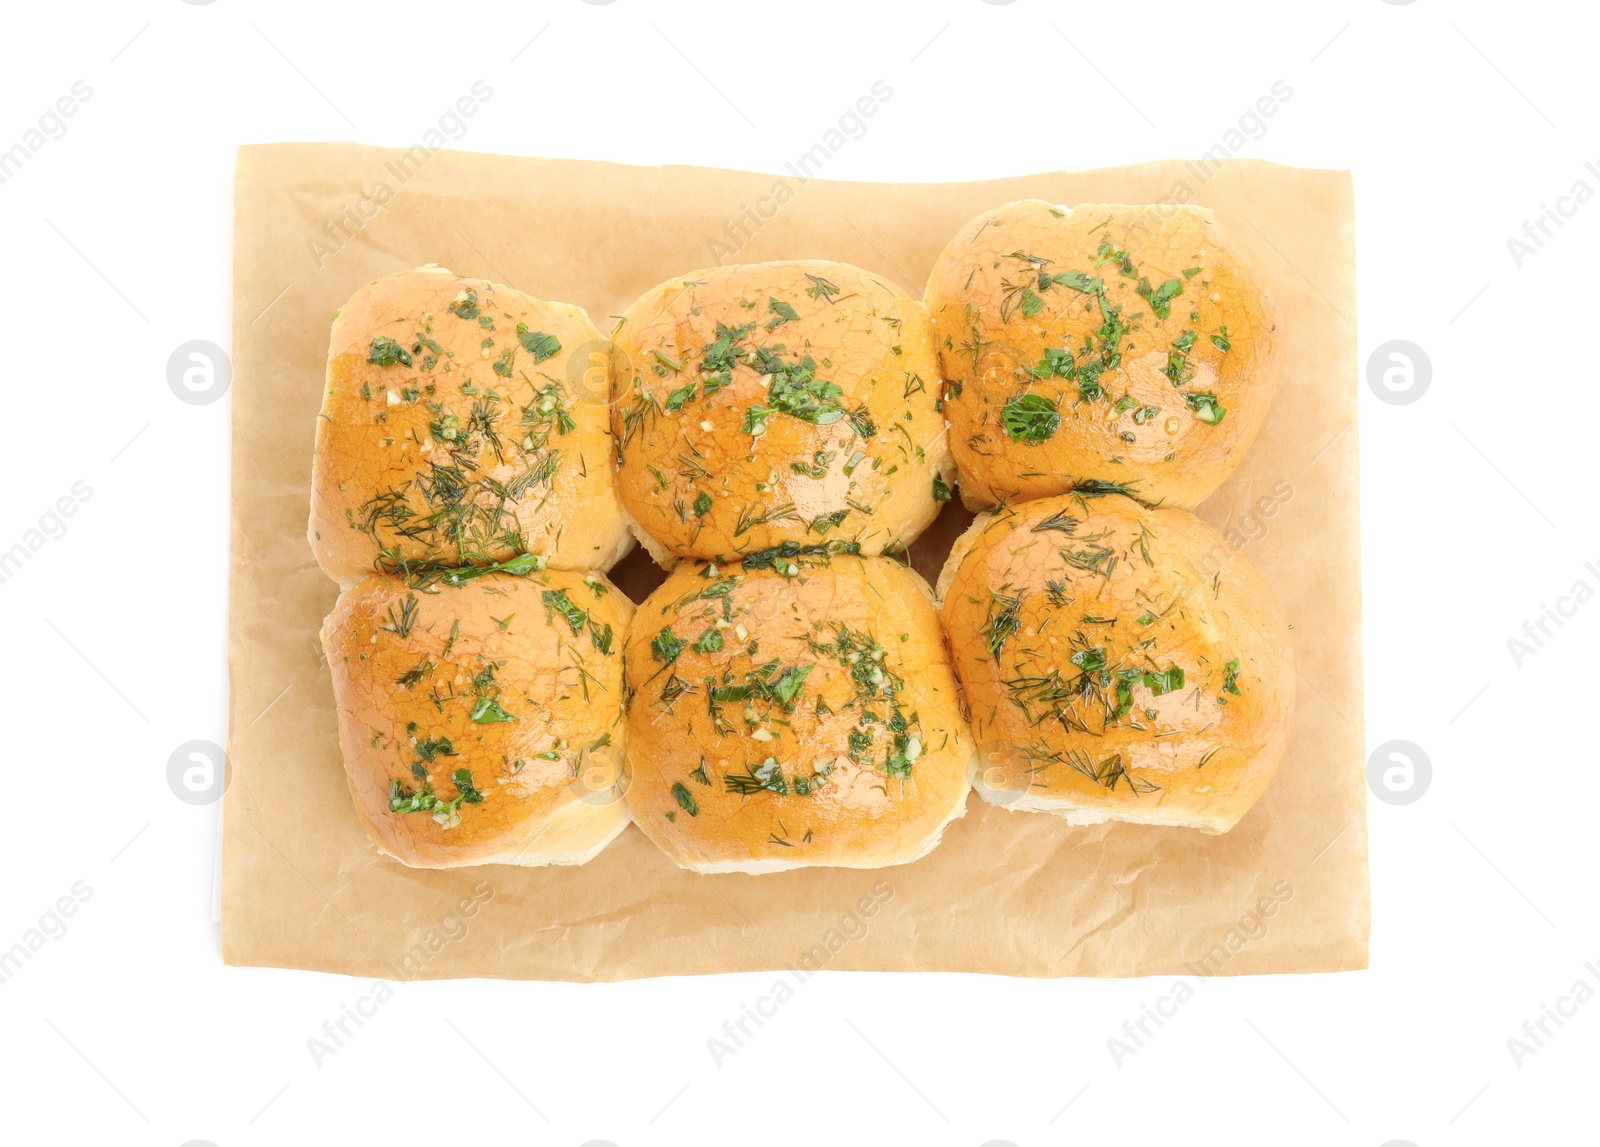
<point x="481" y="714"/>
<point x="776" y="402"/>
<point x="456" y="430"/>
<point x="796" y="710"/>
<point x="1119" y="663"/>
<point x="1135" y="345"/>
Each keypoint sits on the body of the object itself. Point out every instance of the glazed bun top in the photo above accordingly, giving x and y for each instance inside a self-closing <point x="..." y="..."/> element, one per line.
<point x="796" y="710"/>
<point x="1134" y="345"/>
<point x="1119" y="663"/>
<point x="473" y="712"/>
<point x="778" y="402"/>
<point x="456" y="430"/>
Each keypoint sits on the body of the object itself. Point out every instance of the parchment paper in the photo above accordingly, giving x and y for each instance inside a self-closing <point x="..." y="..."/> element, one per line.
<point x="1018" y="894"/>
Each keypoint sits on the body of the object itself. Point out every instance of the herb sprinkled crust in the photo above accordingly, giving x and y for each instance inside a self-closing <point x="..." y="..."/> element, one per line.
<point x="1135" y="345"/>
<point x="457" y="428"/>
<point x="1119" y="663"/>
<point x="798" y="709"/>
<point x="482" y="721"/>
<point x="779" y="402"/>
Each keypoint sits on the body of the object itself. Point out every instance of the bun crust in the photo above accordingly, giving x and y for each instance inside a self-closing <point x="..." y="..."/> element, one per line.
<point x="750" y="746"/>
<point x="1167" y="406"/>
<point x="1119" y="663"/>
<point x="778" y="402"/>
<point x="447" y="437"/>
<point x="488" y="676"/>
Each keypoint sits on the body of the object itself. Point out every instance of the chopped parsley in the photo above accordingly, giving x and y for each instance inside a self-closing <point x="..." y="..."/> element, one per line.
<point x="1230" y="679"/>
<point x="1160" y="299"/>
<point x="787" y="687"/>
<point x="1056" y="363"/>
<point x="424" y="800"/>
<point x="1090" y="660"/>
<point x="685" y="799"/>
<point x="755" y="419"/>
<point x="556" y="601"/>
<point x="1030" y="418"/>
<point x="797" y="391"/>
<point x="386" y="352"/>
<point x="1164" y="682"/>
<point x="666" y="645"/>
<point x="1178" y="370"/>
<point x="540" y="345"/>
<point x="466" y="304"/>
<point x="489" y="712"/>
<point x="783" y="312"/>
<point x="1205" y="407"/>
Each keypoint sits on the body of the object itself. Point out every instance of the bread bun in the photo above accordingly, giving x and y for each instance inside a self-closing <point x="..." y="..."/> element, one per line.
<point x="513" y="681"/>
<point x="796" y="710"/>
<point x="458" y="427"/>
<point x="1135" y="345"/>
<point x="1119" y="663"/>
<point x="777" y="402"/>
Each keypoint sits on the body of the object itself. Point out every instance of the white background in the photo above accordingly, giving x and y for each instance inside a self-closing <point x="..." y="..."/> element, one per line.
<point x="1459" y="120"/>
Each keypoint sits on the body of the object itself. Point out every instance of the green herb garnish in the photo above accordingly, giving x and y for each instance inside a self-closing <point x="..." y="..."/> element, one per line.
<point x="1205" y="407"/>
<point x="489" y="712"/>
<point x="1160" y="299"/>
<point x="556" y="601"/>
<point x="386" y="352"/>
<point x="540" y="345"/>
<point x="1030" y="418"/>
<point x="666" y="645"/>
<point x="783" y="311"/>
<point x="685" y="798"/>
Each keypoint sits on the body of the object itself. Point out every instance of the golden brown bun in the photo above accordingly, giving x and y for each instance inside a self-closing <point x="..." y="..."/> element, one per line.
<point x="853" y="447"/>
<point x="529" y="466"/>
<point x="725" y="783"/>
<point x="490" y="676"/>
<point x="1178" y="705"/>
<point x="1154" y="403"/>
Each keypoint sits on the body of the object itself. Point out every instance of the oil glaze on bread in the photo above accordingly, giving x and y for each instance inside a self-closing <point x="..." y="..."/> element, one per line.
<point x="796" y="710"/>
<point x="457" y="429"/>
<point x="1135" y="345"/>
<point x="481" y="714"/>
<point x="778" y="402"/>
<point x="1118" y="662"/>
